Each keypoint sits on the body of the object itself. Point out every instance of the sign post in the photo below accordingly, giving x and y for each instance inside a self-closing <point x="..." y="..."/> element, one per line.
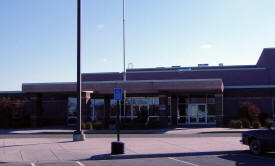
<point x="118" y="98"/>
<point x="117" y="147"/>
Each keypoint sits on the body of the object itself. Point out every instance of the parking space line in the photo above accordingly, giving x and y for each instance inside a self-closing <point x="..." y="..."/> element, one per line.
<point x="79" y="163"/>
<point x="185" y="162"/>
<point x="32" y="164"/>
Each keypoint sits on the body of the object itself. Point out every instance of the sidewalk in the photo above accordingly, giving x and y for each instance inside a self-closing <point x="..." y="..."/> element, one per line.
<point x="147" y="131"/>
<point x="57" y="149"/>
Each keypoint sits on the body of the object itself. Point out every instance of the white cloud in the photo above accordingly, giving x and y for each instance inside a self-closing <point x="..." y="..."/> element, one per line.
<point x="206" y="46"/>
<point x="100" y="26"/>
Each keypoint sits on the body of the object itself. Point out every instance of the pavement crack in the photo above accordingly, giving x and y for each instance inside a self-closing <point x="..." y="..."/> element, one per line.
<point x="54" y="154"/>
<point x="20" y="152"/>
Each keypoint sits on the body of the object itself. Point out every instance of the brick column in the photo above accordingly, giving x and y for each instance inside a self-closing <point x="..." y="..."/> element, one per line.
<point x="107" y="107"/>
<point x="36" y="110"/>
<point x="219" y="110"/>
<point x="174" y="110"/>
<point x="163" y="110"/>
<point x="85" y="106"/>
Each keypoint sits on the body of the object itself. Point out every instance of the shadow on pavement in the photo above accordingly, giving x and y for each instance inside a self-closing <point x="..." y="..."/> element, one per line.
<point x="249" y="159"/>
<point x="157" y="155"/>
<point x="9" y="146"/>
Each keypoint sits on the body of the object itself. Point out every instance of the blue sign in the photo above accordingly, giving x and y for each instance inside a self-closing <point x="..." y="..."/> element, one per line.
<point x="117" y="94"/>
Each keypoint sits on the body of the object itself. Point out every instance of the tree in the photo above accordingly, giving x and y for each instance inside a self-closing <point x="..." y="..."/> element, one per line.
<point x="249" y="111"/>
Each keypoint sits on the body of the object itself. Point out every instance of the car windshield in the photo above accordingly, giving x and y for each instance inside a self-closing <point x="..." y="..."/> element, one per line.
<point x="272" y="127"/>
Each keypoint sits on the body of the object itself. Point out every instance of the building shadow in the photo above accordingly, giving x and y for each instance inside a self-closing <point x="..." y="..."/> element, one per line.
<point x="249" y="159"/>
<point x="160" y="155"/>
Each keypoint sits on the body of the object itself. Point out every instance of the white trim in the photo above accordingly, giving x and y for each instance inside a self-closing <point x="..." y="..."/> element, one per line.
<point x="181" y="161"/>
<point x="249" y="86"/>
<point x="79" y="163"/>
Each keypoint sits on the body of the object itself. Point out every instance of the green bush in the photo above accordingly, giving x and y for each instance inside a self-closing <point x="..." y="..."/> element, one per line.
<point x="268" y="122"/>
<point x="89" y="125"/>
<point x="246" y="123"/>
<point x="235" y="124"/>
<point x="153" y="123"/>
<point x="256" y="125"/>
<point x="98" y="125"/>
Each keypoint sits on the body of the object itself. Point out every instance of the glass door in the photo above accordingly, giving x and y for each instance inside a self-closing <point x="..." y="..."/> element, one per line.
<point x="197" y="113"/>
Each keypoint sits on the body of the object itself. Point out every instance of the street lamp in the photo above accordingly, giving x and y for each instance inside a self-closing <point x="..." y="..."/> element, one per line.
<point x="78" y="134"/>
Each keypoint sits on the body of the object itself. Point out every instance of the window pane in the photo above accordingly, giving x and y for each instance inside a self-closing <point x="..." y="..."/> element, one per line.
<point x="127" y="111"/>
<point x="153" y="110"/>
<point x="99" y="109"/>
<point x="113" y="108"/>
<point x="72" y="106"/>
<point x="135" y="110"/>
<point x="198" y="99"/>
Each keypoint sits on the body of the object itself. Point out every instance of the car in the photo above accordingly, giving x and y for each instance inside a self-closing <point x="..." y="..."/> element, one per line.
<point x="260" y="141"/>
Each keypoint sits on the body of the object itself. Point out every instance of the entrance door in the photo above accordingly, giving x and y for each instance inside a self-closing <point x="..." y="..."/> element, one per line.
<point x="197" y="113"/>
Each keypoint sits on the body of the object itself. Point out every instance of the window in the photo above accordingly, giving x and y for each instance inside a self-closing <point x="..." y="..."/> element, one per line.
<point x="273" y="109"/>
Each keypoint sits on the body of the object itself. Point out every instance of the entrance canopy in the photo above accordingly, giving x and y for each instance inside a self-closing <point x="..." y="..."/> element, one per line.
<point x="131" y="86"/>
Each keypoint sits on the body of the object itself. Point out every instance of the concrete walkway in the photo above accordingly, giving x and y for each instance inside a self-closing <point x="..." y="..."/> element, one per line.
<point x="153" y="131"/>
<point x="59" y="149"/>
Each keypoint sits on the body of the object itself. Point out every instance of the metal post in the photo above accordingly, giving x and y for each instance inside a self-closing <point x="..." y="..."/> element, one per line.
<point x="118" y="121"/>
<point x="79" y="65"/>
<point x="78" y="134"/>
<point x="124" y="69"/>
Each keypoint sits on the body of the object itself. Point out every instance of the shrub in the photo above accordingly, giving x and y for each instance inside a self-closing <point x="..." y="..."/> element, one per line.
<point x="249" y="111"/>
<point x="263" y="116"/>
<point x="83" y="125"/>
<point x="6" y="109"/>
<point x="235" y="124"/>
<point x="153" y="123"/>
<point x="246" y="123"/>
<point x="98" y="125"/>
<point x="256" y="125"/>
<point x="268" y="122"/>
<point x="89" y="125"/>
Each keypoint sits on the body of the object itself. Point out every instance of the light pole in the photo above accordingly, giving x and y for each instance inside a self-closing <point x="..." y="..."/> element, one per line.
<point x="78" y="134"/>
<point x="118" y="147"/>
<point x="124" y="55"/>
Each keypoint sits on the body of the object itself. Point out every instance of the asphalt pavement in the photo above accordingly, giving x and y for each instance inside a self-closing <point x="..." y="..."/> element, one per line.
<point x="187" y="147"/>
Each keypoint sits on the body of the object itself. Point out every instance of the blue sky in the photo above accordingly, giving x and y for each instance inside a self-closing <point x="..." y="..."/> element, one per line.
<point x="38" y="37"/>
